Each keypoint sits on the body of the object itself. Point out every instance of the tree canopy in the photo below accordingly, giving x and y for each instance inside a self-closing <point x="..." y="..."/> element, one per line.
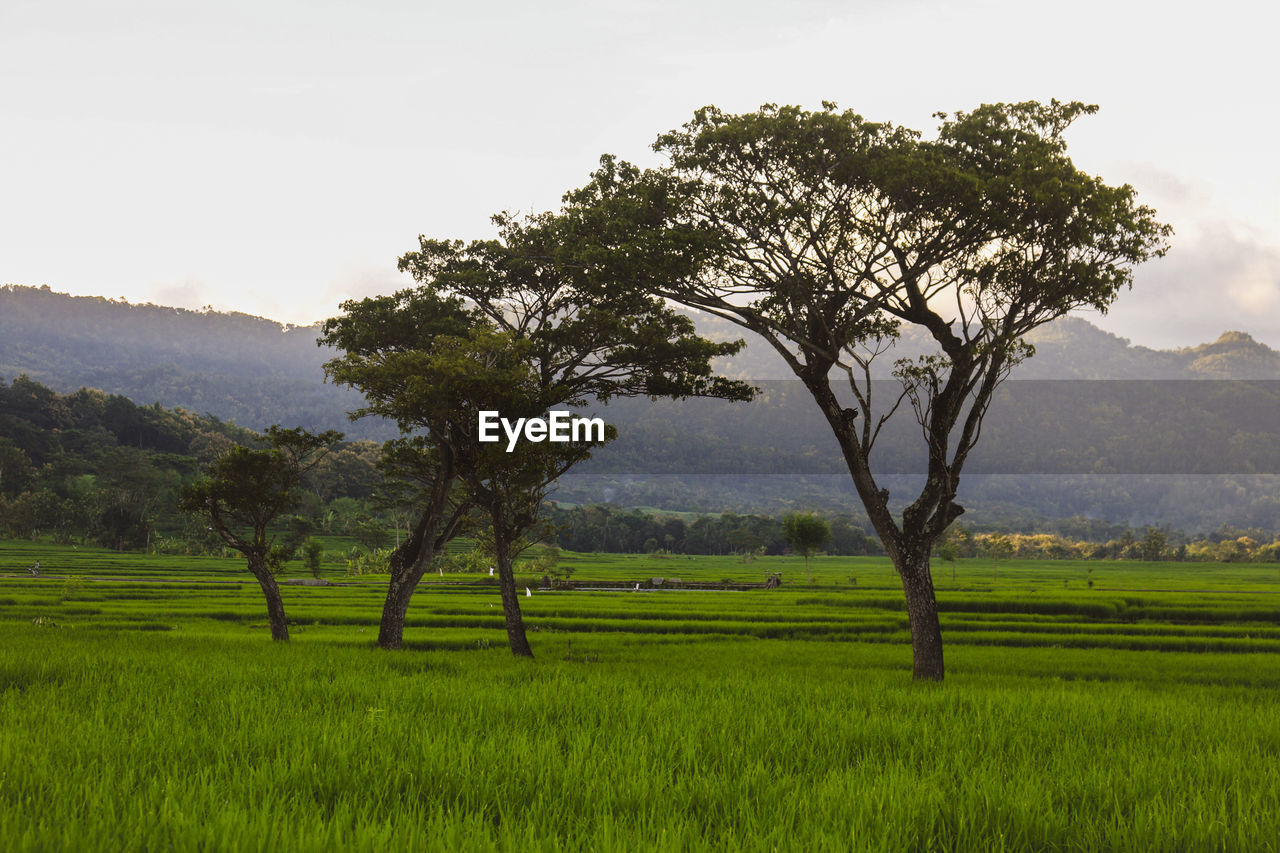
<point x="507" y="325"/>
<point x="824" y="233"/>
<point x="807" y="534"/>
<point x="245" y="490"/>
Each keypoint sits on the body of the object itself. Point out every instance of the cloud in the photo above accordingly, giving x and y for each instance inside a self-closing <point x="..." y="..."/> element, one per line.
<point x="191" y="292"/>
<point x="358" y="281"/>
<point x="1218" y="280"/>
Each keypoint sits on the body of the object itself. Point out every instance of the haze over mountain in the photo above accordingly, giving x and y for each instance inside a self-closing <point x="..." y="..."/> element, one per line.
<point x="257" y="372"/>
<point x="1108" y="450"/>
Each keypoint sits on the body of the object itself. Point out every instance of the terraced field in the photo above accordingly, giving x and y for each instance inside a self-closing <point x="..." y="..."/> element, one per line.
<point x="144" y="707"/>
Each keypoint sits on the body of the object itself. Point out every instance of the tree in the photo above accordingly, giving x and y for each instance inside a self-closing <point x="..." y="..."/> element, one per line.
<point x="245" y="490"/>
<point x="824" y="233"/>
<point x="492" y="370"/>
<point x="947" y="551"/>
<point x="552" y="336"/>
<point x="389" y="343"/>
<point x="807" y="534"/>
<point x="16" y="470"/>
<point x="1153" y="544"/>
<point x="501" y="325"/>
<point x="312" y="555"/>
<point x="997" y="546"/>
<point x="746" y="542"/>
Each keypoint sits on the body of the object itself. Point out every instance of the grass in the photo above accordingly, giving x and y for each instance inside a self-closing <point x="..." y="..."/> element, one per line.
<point x="153" y="712"/>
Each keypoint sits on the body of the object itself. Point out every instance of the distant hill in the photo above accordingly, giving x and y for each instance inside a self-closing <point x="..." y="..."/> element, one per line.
<point x="240" y="368"/>
<point x="256" y="372"/>
<point x="1070" y="348"/>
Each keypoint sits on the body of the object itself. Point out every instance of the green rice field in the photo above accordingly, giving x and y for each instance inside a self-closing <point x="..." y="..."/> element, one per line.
<point x="143" y="706"/>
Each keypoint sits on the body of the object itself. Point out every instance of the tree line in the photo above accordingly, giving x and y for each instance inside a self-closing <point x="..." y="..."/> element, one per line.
<point x="1151" y="544"/>
<point x="610" y="529"/>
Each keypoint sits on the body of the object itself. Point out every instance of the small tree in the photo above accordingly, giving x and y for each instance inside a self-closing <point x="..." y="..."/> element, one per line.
<point x="245" y="490"/>
<point x="947" y="551"/>
<point x="807" y="534"/>
<point x="312" y="555"/>
<point x="1153" y="544"/>
<point x="385" y="340"/>
<point x="997" y="546"/>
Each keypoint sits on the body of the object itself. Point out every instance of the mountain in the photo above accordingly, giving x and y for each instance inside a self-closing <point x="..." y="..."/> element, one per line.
<point x="1116" y="447"/>
<point x="240" y="368"/>
<point x="1070" y="348"/>
<point x="257" y="372"/>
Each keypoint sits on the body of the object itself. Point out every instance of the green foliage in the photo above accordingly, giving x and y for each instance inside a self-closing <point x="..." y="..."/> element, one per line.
<point x="1153" y="544"/>
<point x="370" y="532"/>
<point x="90" y="467"/>
<point x="602" y="527"/>
<point x="312" y="555"/>
<point x="373" y="562"/>
<point x="825" y="233"/>
<point x="244" y="491"/>
<point x="806" y="532"/>
<point x="997" y="546"/>
<point x="546" y="561"/>
<point x="71" y="587"/>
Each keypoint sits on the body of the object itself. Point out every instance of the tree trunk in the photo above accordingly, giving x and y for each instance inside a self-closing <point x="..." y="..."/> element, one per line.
<point x="510" y="598"/>
<point x="922" y="612"/>
<point x="275" y="604"/>
<point x="410" y="561"/>
<point x="399" y="592"/>
<point x="405" y="573"/>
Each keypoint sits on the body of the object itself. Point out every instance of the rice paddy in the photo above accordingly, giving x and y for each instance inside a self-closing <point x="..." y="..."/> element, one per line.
<point x="143" y="707"/>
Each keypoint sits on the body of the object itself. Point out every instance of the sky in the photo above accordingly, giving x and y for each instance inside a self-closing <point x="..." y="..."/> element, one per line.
<point x="275" y="157"/>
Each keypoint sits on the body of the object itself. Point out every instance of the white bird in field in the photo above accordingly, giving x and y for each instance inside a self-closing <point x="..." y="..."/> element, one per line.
<point x="528" y="593"/>
<point x="491" y="571"/>
<point x="637" y="588"/>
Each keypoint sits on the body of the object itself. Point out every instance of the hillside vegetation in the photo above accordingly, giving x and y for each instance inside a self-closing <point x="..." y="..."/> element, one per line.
<point x="1192" y="454"/>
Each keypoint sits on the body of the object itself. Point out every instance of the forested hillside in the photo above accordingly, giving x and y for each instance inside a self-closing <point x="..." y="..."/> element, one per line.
<point x="1192" y="454"/>
<point x="94" y="467"/>
<point x="257" y="372"/>
<point x="238" y="368"/>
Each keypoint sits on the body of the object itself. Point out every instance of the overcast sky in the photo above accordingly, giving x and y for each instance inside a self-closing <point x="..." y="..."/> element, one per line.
<point x="277" y="156"/>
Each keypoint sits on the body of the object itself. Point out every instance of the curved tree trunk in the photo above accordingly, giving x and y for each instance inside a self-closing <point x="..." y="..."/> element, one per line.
<point x="408" y="565"/>
<point x="395" y="608"/>
<point x="909" y="546"/>
<point x="275" y="604"/>
<point x="922" y="612"/>
<point x="411" y="559"/>
<point x="510" y="598"/>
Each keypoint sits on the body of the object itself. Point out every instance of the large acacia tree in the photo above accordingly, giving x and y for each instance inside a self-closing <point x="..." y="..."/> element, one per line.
<point x="531" y="334"/>
<point x="824" y="234"/>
